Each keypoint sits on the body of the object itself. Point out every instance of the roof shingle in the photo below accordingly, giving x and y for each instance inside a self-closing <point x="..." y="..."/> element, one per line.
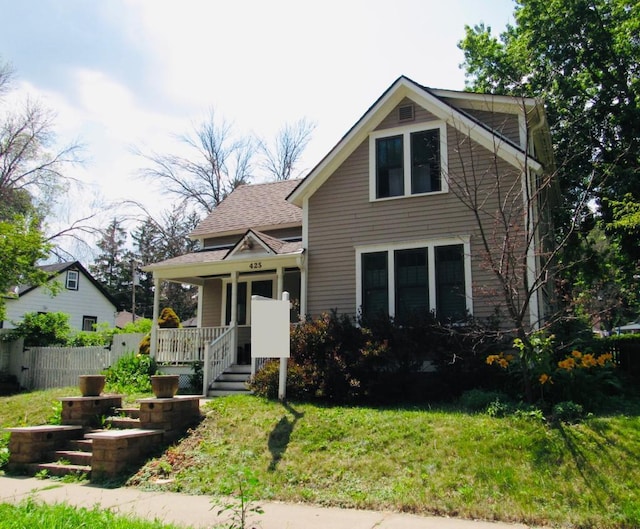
<point x="258" y="206"/>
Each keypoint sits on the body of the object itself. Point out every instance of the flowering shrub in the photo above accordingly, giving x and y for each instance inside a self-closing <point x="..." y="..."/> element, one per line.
<point x="583" y="378"/>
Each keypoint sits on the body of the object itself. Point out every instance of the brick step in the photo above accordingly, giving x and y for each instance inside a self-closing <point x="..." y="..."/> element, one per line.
<point x="133" y="413"/>
<point x="80" y="445"/>
<point x="123" y="423"/>
<point x="59" y="469"/>
<point x="75" y="457"/>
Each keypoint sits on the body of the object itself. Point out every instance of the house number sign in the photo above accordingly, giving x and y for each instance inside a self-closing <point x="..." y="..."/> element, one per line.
<point x="257" y="265"/>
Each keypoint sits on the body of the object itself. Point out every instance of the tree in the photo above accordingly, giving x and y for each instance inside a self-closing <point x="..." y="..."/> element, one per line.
<point x="583" y="58"/>
<point x="22" y="245"/>
<point x="281" y="157"/>
<point x="216" y="164"/>
<point x="159" y="239"/>
<point x="113" y="266"/>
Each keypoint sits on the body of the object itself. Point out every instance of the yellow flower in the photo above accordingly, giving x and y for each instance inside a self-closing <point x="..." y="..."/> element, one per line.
<point x="492" y="358"/>
<point x="544" y="378"/>
<point x="576" y="354"/>
<point x="604" y="358"/>
<point x="588" y="361"/>
<point x="567" y="363"/>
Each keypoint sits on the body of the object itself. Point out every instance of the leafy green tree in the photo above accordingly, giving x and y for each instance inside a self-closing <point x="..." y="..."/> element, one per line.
<point x="583" y="58"/>
<point x="22" y="245"/>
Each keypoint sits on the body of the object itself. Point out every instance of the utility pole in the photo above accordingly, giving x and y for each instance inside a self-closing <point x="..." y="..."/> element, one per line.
<point x="134" y="282"/>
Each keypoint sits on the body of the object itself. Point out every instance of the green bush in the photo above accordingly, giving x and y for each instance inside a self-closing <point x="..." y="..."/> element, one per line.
<point x="42" y="330"/>
<point x="130" y="374"/>
<point x="479" y="400"/>
<point x="567" y="411"/>
<point x="334" y="359"/>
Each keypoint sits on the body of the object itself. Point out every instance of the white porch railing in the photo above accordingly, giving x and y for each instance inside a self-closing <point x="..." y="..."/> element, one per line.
<point x="218" y="356"/>
<point x="183" y="346"/>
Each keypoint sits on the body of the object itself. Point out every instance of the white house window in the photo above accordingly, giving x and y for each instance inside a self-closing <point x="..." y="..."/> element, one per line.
<point x="89" y="323"/>
<point x="407" y="161"/>
<point x="72" y="279"/>
<point x="404" y="279"/>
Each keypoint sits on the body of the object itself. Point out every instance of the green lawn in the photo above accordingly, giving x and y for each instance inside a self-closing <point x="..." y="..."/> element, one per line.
<point x="44" y="516"/>
<point x="429" y="461"/>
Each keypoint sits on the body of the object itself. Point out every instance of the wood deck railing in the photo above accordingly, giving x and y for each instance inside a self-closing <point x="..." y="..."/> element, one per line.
<point x="183" y="346"/>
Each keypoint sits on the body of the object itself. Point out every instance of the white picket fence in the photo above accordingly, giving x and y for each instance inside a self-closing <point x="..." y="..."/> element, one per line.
<point x="57" y="367"/>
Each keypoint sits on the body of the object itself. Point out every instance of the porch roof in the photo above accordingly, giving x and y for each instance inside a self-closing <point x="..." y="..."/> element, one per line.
<point x="193" y="266"/>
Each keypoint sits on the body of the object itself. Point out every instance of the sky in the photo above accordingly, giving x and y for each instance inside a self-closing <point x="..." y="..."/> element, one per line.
<point x="134" y="74"/>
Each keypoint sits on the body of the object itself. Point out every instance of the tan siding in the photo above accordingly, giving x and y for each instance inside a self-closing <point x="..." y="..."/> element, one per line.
<point x="506" y="124"/>
<point x="392" y="118"/>
<point x="341" y="218"/>
<point x="212" y="301"/>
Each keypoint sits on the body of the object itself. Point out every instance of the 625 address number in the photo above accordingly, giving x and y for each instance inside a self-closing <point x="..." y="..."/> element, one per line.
<point x="256" y="265"/>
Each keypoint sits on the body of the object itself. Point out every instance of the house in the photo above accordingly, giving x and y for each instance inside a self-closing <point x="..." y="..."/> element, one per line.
<point x="386" y="221"/>
<point x="80" y="296"/>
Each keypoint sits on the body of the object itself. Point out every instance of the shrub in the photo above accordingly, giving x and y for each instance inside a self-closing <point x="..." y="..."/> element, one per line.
<point x="333" y="359"/>
<point x="42" y="330"/>
<point x="130" y="374"/>
<point x="567" y="411"/>
<point x="479" y="400"/>
<point x="168" y="319"/>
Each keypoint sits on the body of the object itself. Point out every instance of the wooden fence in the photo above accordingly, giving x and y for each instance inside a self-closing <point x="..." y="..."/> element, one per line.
<point x="57" y="367"/>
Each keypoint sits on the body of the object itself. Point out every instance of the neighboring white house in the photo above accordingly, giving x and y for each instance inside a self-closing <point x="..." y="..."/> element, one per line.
<point x="80" y="296"/>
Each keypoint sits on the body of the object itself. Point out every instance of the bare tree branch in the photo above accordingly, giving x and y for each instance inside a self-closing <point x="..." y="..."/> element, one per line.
<point x="280" y="158"/>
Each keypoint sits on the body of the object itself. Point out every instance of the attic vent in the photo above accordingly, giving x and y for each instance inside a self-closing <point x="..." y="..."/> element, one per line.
<point x="405" y="113"/>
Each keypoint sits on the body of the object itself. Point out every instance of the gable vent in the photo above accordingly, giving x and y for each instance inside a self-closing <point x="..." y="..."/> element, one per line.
<point x="405" y="113"/>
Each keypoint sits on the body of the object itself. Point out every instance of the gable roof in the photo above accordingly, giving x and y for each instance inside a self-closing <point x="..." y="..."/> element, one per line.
<point x="54" y="270"/>
<point x="259" y="206"/>
<point x="435" y="101"/>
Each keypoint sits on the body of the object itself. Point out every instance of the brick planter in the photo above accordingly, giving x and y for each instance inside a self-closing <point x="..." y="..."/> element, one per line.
<point x="88" y="411"/>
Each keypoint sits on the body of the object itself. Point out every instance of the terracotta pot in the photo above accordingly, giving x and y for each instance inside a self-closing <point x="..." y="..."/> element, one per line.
<point x="164" y="386"/>
<point x="91" y="385"/>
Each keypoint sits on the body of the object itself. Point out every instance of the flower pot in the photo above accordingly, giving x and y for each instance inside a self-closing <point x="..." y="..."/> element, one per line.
<point x="91" y="385"/>
<point x="164" y="386"/>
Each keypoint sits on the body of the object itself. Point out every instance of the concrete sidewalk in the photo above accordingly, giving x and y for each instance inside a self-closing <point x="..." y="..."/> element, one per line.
<point x="197" y="511"/>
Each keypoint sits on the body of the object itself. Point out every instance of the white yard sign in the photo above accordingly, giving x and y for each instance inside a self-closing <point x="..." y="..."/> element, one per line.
<point x="269" y="327"/>
<point x="270" y="333"/>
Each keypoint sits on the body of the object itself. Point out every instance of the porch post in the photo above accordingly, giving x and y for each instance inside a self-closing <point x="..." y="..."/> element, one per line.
<point x="156" y="314"/>
<point x="280" y="285"/>
<point x="234" y="314"/>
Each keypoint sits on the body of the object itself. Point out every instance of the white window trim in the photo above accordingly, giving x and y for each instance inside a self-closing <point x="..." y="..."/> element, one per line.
<point x="406" y="132"/>
<point x="430" y="245"/>
<point x="248" y="280"/>
<point x="70" y="274"/>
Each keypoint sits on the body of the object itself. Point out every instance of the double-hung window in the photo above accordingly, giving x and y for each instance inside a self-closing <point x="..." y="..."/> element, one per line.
<point x="402" y="280"/>
<point x="72" y="280"/>
<point x="407" y="161"/>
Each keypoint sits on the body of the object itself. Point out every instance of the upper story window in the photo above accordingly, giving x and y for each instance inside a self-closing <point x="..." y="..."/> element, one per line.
<point x="73" y="277"/>
<point x="407" y="161"/>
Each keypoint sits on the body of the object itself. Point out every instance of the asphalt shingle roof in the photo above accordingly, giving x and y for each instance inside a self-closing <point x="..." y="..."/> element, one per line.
<point x="258" y="206"/>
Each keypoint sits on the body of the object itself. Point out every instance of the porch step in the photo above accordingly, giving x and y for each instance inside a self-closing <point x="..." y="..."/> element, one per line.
<point x="59" y="469"/>
<point x="231" y="382"/>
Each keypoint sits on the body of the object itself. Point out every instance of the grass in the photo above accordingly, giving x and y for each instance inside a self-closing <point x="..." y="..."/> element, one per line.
<point x="44" y="516"/>
<point x="427" y="461"/>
